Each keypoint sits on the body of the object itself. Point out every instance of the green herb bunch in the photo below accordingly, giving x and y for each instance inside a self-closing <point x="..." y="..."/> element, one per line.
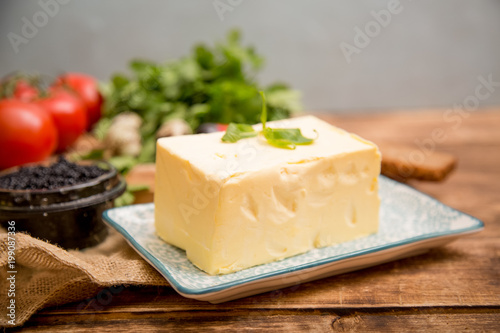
<point x="213" y="84"/>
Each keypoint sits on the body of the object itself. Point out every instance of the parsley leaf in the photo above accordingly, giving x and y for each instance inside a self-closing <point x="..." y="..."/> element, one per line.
<point x="285" y="138"/>
<point x="236" y="132"/>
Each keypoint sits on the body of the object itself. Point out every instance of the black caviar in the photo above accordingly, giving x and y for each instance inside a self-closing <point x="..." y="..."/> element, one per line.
<point x="60" y="174"/>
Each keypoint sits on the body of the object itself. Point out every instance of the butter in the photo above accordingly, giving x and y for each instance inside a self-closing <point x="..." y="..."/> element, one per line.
<point x="232" y="206"/>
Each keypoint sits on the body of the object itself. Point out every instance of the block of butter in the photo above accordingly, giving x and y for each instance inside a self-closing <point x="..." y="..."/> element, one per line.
<point x="232" y="206"/>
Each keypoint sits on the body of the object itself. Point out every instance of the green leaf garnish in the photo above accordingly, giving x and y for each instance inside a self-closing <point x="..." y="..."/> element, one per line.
<point x="236" y="132"/>
<point x="285" y="138"/>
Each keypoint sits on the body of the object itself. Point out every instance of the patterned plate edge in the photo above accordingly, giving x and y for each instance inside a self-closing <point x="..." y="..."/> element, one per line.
<point x="182" y="289"/>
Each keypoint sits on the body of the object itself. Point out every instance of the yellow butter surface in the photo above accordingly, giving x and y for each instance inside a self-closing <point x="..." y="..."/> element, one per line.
<point x="236" y="205"/>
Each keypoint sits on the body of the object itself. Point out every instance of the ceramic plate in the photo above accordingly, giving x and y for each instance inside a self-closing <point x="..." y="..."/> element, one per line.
<point x="410" y="223"/>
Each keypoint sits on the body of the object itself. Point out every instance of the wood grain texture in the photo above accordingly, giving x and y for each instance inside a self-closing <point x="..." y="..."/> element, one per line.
<point x="449" y="289"/>
<point x="297" y="320"/>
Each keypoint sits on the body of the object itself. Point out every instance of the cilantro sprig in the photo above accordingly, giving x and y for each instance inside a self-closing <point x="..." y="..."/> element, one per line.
<point x="285" y="138"/>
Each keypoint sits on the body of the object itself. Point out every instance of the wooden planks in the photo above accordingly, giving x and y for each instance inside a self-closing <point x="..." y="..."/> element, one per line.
<point x="449" y="289"/>
<point x="297" y="320"/>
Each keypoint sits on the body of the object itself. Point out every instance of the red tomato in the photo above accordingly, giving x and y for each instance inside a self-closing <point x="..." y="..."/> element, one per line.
<point x="27" y="133"/>
<point x="69" y="115"/>
<point x="84" y="86"/>
<point x="25" y="91"/>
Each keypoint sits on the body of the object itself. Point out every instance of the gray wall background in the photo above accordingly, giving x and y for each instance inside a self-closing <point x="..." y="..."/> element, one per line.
<point x="429" y="55"/>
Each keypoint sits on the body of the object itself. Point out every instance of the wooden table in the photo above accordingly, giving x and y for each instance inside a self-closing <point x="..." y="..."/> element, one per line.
<point x="452" y="288"/>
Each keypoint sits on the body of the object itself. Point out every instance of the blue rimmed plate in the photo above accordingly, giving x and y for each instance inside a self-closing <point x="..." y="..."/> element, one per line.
<point x="410" y="223"/>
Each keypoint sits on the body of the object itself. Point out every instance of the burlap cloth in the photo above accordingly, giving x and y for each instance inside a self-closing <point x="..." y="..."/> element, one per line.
<point x="48" y="275"/>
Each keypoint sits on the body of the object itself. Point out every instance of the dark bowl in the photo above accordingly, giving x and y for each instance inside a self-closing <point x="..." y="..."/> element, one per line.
<point x="68" y="216"/>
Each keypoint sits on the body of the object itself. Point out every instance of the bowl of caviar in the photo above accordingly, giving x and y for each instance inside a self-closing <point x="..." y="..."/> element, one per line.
<point x="60" y="201"/>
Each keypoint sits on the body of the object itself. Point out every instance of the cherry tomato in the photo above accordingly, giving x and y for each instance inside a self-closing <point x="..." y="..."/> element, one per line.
<point x="84" y="86"/>
<point x="27" y="133"/>
<point x="69" y="115"/>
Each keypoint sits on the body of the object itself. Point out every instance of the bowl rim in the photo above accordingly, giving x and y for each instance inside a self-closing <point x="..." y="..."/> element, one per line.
<point x="92" y="200"/>
<point x="112" y="172"/>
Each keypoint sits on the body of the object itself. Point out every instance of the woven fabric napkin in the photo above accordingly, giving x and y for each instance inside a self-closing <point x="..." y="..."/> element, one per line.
<point x="48" y="275"/>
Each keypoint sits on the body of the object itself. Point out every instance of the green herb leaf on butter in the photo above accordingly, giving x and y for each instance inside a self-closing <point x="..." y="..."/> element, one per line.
<point x="236" y="132"/>
<point x="285" y="138"/>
